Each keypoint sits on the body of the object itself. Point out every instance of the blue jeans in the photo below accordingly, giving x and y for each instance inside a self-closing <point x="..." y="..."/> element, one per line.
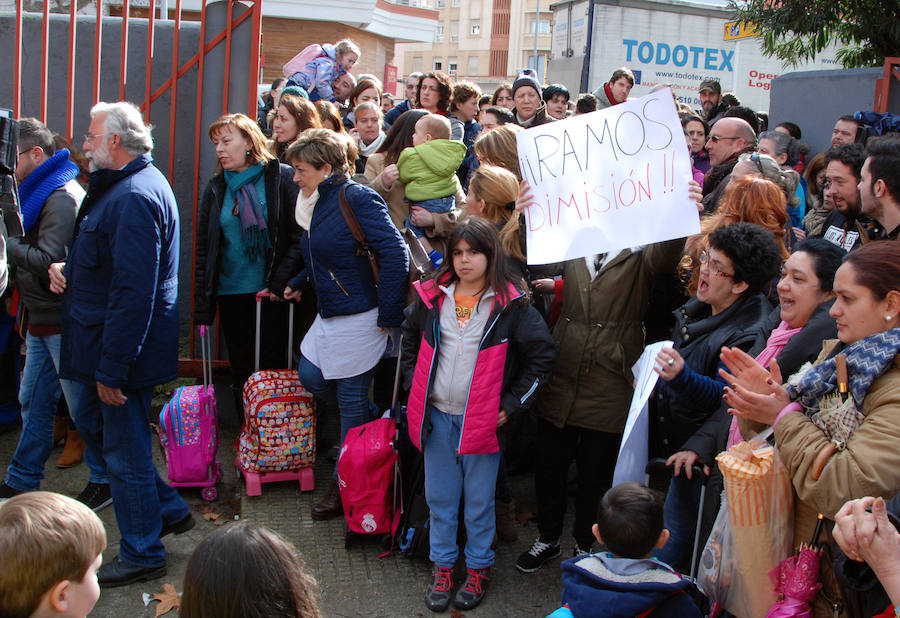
<point x="350" y="394"/>
<point x="143" y="502"/>
<point x="447" y="478"/>
<point x="680" y="513"/>
<point x="39" y="394"/>
<point x="436" y="205"/>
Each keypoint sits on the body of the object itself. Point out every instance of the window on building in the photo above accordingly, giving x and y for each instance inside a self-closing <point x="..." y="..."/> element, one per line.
<point x="439" y="34"/>
<point x="441" y="4"/>
<point x="475" y="27"/>
<point x="417" y="64"/>
<point x="543" y="26"/>
<point x="438" y="65"/>
<point x="454" y="31"/>
<point x="454" y="3"/>
<point x="538" y="65"/>
<point x="473" y="66"/>
<point x="452" y="65"/>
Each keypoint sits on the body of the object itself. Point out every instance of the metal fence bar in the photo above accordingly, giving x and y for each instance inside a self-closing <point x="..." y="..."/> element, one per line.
<point x="98" y="40"/>
<point x="45" y="53"/>
<point x="176" y="36"/>
<point x="148" y="81"/>
<point x="123" y="67"/>
<point x="70" y="85"/>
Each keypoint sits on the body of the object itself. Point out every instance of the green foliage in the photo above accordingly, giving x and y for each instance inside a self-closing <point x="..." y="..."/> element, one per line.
<point x="793" y="31"/>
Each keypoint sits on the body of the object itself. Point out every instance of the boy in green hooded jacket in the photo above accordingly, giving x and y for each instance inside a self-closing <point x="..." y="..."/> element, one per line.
<point x="428" y="168"/>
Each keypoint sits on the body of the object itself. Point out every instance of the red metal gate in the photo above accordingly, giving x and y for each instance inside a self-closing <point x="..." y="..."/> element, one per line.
<point x="150" y="95"/>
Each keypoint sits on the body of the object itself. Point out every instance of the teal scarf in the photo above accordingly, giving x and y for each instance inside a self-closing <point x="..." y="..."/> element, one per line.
<point x="250" y="208"/>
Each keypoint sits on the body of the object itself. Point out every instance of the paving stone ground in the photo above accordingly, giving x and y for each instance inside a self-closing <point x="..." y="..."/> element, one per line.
<point x="353" y="582"/>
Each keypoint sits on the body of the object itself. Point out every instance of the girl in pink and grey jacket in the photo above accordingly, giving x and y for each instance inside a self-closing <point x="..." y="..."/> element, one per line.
<point x="475" y="353"/>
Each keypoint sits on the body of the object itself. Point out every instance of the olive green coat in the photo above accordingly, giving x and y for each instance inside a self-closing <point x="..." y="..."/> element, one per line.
<point x="600" y="335"/>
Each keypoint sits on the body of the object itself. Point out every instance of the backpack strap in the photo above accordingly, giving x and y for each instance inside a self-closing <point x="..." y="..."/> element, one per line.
<point x="358" y="234"/>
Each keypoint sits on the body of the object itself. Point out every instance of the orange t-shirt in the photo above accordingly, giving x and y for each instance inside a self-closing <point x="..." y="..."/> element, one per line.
<point x="465" y="305"/>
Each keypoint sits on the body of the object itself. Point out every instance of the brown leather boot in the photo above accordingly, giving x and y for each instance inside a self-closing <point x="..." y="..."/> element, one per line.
<point x="505" y="514"/>
<point x="74" y="451"/>
<point x="60" y="429"/>
<point x="330" y="506"/>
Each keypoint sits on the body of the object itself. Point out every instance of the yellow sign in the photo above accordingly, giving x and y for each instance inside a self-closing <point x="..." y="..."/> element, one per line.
<point x="739" y="30"/>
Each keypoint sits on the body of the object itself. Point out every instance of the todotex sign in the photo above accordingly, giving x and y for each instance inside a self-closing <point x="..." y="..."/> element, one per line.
<point x="675" y="43"/>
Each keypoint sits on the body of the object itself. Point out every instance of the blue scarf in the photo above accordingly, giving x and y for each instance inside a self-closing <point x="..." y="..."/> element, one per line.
<point x="867" y="359"/>
<point x="250" y="208"/>
<point x="44" y="180"/>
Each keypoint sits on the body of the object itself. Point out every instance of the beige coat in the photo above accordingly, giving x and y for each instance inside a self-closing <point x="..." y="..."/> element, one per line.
<point x="600" y="335"/>
<point x="868" y="466"/>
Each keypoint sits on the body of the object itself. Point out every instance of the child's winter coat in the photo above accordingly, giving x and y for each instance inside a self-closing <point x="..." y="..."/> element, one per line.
<point x="515" y="356"/>
<point x="429" y="169"/>
<point x="316" y="75"/>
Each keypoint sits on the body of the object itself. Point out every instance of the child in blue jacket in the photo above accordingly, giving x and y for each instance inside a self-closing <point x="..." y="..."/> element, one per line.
<point x="475" y="352"/>
<point x="316" y="67"/>
<point x="626" y="581"/>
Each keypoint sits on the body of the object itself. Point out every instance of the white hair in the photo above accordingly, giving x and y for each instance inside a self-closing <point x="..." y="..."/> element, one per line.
<point x="124" y="119"/>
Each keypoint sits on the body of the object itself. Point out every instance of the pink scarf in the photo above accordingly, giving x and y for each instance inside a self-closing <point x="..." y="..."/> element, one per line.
<point x="774" y="345"/>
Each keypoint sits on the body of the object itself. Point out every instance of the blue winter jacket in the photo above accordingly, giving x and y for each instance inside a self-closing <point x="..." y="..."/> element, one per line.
<point x="120" y="311"/>
<point x="394" y="113"/>
<point x="342" y="279"/>
<point x="647" y="587"/>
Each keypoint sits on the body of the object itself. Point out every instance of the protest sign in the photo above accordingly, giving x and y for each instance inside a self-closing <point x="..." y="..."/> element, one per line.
<point x="635" y="440"/>
<point x="607" y="180"/>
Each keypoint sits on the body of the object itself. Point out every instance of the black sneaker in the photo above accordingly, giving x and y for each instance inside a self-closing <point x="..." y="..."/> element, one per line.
<point x="8" y="492"/>
<point x="178" y="527"/>
<point x="473" y="591"/>
<point x="96" y="496"/>
<point x="579" y="551"/>
<point x="534" y="558"/>
<point x="437" y="595"/>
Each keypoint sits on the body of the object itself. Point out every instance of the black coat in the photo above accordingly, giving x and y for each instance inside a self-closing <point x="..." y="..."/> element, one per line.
<point x="698" y="337"/>
<point x="283" y="258"/>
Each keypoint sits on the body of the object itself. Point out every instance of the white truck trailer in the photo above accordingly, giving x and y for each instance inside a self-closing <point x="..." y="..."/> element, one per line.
<point x="663" y="42"/>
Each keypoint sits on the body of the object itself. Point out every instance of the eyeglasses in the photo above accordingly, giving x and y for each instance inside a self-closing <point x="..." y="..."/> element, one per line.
<point x="713" y="265"/>
<point x="89" y="137"/>
<point x="755" y="158"/>
<point x="717" y="138"/>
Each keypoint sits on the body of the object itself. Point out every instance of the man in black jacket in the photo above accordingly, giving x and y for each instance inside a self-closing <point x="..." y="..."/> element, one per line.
<point x="49" y="196"/>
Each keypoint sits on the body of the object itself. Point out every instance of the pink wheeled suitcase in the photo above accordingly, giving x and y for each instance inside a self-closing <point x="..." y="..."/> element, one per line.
<point x="278" y="437"/>
<point x="188" y="431"/>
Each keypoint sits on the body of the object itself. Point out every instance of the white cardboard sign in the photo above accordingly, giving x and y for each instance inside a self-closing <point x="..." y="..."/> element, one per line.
<point x="608" y="180"/>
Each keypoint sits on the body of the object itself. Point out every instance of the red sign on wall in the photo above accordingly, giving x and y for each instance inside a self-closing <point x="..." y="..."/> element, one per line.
<point x="390" y="78"/>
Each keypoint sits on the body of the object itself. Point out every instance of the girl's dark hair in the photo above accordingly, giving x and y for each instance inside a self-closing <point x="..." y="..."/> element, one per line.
<point x="445" y="89"/>
<point x="245" y="570"/>
<point x="482" y="236"/>
<point x="792" y="129"/>
<point x="877" y="267"/>
<point x="826" y="257"/>
<point x="329" y="113"/>
<point x="400" y="135"/>
<point x="753" y="253"/>
<point x="687" y="118"/>
<point x="361" y="86"/>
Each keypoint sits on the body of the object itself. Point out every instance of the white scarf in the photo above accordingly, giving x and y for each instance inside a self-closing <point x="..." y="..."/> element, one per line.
<point x="303" y="211"/>
<point x="367" y="151"/>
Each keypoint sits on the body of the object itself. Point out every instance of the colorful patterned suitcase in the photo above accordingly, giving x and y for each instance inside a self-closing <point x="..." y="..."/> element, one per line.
<point x="278" y="437"/>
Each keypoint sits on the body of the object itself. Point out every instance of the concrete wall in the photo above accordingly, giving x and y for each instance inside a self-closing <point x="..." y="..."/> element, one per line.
<point x="814" y="100"/>
<point x="185" y="119"/>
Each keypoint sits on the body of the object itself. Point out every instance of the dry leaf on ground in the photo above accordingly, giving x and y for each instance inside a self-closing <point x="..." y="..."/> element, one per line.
<point x="168" y="599"/>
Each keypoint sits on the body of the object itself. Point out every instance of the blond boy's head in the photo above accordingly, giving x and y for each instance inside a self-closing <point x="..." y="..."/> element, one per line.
<point x="50" y="549"/>
<point x="429" y="127"/>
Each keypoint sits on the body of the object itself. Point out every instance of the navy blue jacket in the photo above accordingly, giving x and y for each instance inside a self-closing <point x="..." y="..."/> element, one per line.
<point x="342" y="279"/>
<point x="120" y="310"/>
<point x="395" y="112"/>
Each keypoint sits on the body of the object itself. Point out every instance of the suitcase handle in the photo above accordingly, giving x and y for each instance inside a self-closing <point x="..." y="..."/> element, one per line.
<point x="290" y="350"/>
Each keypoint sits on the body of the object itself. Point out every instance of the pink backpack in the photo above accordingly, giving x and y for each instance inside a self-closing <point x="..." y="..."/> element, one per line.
<point x="188" y="432"/>
<point x="369" y="478"/>
<point x="298" y="63"/>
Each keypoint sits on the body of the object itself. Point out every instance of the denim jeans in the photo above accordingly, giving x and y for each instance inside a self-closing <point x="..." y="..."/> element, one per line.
<point x="142" y="500"/>
<point x="680" y="513"/>
<point x="447" y="478"/>
<point x="39" y="394"/>
<point x="350" y="394"/>
<point x="436" y="205"/>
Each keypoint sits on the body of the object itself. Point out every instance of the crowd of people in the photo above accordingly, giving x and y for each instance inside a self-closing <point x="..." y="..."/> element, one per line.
<point x="508" y="367"/>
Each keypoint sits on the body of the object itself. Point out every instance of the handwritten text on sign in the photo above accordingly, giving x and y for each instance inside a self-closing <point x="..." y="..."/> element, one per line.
<point x="607" y="180"/>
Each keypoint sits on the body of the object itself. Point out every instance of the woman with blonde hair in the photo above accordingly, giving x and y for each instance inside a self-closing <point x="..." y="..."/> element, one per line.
<point x="293" y="116"/>
<point x="751" y="199"/>
<point x="492" y="195"/>
<point x="498" y="147"/>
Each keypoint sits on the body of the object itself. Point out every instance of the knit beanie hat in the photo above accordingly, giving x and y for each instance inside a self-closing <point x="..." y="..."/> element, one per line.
<point x="527" y="77"/>
<point x="296" y="91"/>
